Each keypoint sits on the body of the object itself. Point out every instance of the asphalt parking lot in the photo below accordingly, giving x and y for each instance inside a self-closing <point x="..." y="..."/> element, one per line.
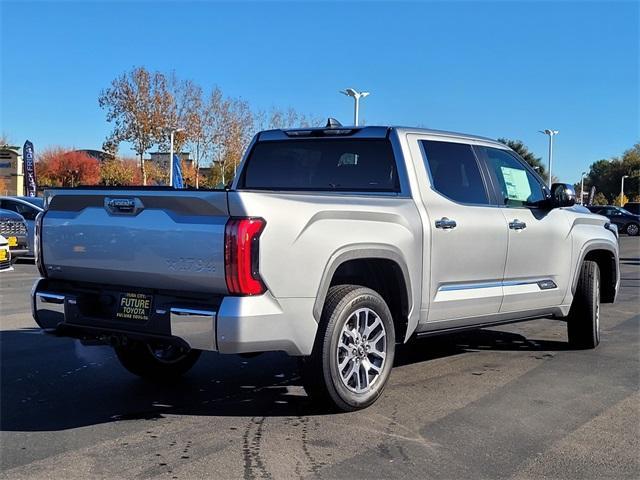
<point x="509" y="402"/>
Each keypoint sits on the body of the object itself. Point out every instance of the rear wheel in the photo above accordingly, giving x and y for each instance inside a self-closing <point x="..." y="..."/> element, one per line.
<point x="354" y="349"/>
<point x="583" y="322"/>
<point x="632" y="229"/>
<point x="157" y="361"/>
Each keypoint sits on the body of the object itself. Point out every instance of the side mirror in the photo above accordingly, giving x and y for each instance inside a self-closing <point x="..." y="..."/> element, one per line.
<point x="562" y="195"/>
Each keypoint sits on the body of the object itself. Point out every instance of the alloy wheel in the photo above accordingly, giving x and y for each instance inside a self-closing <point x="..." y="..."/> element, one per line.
<point x="362" y="350"/>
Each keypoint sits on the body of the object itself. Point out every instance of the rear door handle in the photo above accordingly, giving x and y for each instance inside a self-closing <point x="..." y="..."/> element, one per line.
<point x="446" y="223"/>
<point x="517" y="225"/>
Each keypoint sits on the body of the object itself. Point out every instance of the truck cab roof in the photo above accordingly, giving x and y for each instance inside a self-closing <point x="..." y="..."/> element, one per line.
<point x="374" y="131"/>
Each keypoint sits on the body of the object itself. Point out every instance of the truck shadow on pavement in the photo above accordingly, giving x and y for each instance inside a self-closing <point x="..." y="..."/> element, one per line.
<point x="50" y="384"/>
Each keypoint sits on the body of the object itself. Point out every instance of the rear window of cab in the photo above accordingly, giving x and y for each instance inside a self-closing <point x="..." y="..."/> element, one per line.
<point x="351" y="165"/>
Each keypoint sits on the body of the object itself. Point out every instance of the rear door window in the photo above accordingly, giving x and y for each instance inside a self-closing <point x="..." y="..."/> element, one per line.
<point x="454" y="171"/>
<point x="358" y="165"/>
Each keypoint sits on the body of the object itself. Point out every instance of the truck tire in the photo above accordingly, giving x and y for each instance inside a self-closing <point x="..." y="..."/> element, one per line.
<point x="353" y="351"/>
<point x="583" y="322"/>
<point x="156" y="362"/>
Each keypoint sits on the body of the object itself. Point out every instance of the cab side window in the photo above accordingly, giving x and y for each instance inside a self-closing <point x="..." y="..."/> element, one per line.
<point x="612" y="212"/>
<point x="454" y="171"/>
<point x="516" y="185"/>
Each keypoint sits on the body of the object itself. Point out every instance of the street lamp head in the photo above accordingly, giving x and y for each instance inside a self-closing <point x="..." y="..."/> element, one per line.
<point x="352" y="92"/>
<point x="549" y="132"/>
<point x="625" y="176"/>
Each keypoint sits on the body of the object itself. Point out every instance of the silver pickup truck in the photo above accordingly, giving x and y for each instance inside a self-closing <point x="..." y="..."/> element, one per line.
<point x="334" y="245"/>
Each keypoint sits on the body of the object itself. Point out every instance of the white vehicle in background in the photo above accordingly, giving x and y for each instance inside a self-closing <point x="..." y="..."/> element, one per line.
<point x="29" y="208"/>
<point x="5" y="255"/>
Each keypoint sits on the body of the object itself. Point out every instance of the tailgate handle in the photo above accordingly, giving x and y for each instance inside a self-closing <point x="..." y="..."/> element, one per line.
<point x="122" y="205"/>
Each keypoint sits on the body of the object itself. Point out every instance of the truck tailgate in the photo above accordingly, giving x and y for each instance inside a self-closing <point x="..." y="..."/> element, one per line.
<point x="159" y="239"/>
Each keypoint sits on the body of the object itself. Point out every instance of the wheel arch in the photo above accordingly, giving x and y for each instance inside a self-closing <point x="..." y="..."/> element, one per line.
<point x="369" y="266"/>
<point x="606" y="256"/>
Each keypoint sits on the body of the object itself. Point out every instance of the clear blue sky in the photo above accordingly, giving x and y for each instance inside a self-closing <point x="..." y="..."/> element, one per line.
<point x="499" y="69"/>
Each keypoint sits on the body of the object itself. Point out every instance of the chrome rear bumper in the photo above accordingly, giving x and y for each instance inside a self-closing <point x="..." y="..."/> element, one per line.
<point x="57" y="312"/>
<point x="236" y="325"/>
<point x="196" y="327"/>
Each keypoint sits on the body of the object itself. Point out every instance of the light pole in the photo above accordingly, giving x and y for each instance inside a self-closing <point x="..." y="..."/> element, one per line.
<point x="351" y="92"/>
<point x="622" y="189"/>
<point x="551" y="133"/>
<point x="173" y="132"/>
<point x="582" y="187"/>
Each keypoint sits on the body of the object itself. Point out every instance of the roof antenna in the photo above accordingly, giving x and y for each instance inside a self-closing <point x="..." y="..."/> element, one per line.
<point x="332" y="123"/>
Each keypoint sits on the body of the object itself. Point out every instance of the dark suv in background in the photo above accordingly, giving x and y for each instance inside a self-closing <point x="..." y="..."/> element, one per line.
<point x="14" y="229"/>
<point x="626" y="221"/>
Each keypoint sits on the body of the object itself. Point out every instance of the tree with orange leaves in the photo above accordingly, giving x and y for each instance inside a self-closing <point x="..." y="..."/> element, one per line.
<point x="139" y="105"/>
<point x="58" y="167"/>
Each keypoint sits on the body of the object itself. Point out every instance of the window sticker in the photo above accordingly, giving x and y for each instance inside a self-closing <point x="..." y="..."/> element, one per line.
<point x="517" y="183"/>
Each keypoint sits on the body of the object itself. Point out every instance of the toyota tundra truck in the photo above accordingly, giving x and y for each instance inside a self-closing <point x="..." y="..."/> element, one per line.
<point x="332" y="244"/>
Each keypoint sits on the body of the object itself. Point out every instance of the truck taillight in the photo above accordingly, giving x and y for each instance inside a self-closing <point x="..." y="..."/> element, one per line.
<point x="241" y="255"/>
<point x="37" y="244"/>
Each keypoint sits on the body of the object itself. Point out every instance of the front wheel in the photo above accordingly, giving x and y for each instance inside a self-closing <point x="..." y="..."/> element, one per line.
<point x="157" y="361"/>
<point x="632" y="229"/>
<point x="354" y="349"/>
<point x="583" y="322"/>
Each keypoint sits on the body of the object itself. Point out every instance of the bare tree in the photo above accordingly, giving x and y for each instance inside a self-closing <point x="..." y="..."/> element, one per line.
<point x="183" y="112"/>
<point x="137" y="103"/>
<point x="4" y="140"/>
<point x="238" y="128"/>
<point x="290" y="118"/>
<point x="207" y="128"/>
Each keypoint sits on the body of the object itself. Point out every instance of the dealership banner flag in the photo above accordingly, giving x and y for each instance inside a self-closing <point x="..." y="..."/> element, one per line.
<point x="29" y="170"/>
<point x="177" y="172"/>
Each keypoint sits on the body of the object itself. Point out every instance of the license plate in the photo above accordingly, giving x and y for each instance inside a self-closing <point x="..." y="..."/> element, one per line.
<point x="3" y="254"/>
<point x="13" y="241"/>
<point x="134" y="306"/>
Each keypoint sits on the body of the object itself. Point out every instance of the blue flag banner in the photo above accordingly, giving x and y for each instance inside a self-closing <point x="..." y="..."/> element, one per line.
<point x="29" y="170"/>
<point x="177" y="172"/>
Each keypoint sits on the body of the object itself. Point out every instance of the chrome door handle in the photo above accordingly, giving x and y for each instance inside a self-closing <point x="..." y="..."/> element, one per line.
<point x="517" y="225"/>
<point x="446" y="223"/>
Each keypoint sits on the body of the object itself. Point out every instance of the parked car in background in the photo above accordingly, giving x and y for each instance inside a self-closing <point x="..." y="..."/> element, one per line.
<point x="5" y="255"/>
<point x="29" y="208"/>
<point x="633" y="207"/>
<point x="14" y="228"/>
<point x="626" y="221"/>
